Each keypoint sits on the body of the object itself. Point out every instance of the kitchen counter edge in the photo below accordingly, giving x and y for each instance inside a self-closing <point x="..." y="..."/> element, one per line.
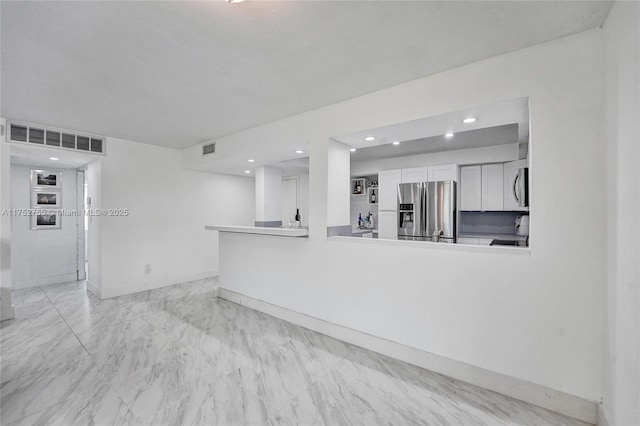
<point x="260" y="230"/>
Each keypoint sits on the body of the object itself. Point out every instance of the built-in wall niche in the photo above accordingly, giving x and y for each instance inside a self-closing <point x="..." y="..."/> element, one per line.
<point x="358" y="186"/>
<point x="372" y="195"/>
<point x="364" y="206"/>
<point x="46" y="199"/>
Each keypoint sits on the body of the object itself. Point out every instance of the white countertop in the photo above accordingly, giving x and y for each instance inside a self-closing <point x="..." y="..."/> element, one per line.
<point x="260" y="230"/>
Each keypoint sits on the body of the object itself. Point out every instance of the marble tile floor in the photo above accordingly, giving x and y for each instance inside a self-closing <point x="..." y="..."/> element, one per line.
<point x="180" y="356"/>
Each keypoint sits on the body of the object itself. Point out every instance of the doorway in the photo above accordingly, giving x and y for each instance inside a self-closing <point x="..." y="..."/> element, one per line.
<point x="289" y="200"/>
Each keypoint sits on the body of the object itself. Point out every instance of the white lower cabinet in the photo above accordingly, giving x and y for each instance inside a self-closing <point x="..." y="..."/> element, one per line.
<point x="388" y="225"/>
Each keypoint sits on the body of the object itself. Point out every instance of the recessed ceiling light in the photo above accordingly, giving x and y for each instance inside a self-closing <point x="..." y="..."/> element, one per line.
<point x="235" y="1"/>
<point x="352" y="150"/>
<point x="247" y="171"/>
<point x="251" y="160"/>
<point x="370" y="138"/>
<point x="299" y="151"/>
<point x="448" y="135"/>
<point x="469" y="120"/>
<point x="396" y="143"/>
<point x="54" y="158"/>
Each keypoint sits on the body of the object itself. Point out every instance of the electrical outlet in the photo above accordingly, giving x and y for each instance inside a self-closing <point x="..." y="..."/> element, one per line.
<point x="147" y="268"/>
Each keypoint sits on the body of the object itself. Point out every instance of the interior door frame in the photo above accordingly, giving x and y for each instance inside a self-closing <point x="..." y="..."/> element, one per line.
<point x="81" y="272"/>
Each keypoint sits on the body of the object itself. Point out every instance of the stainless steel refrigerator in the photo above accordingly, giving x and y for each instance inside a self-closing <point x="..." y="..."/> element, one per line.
<point x="424" y="207"/>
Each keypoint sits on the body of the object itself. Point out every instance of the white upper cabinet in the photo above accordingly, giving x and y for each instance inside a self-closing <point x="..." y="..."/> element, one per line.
<point x="416" y="174"/>
<point x="388" y="182"/>
<point x="471" y="188"/>
<point x="445" y="172"/>
<point x="492" y="187"/>
<point x="509" y="188"/>
<point x="430" y="174"/>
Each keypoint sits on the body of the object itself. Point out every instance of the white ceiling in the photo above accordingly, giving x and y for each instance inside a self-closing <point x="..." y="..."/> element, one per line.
<point x="179" y="73"/>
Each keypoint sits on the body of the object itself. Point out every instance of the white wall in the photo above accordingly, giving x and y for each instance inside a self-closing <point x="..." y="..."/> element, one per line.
<point x="169" y="207"/>
<point x="6" y="282"/>
<point x="491" y="154"/>
<point x="622" y="133"/>
<point x="539" y="317"/>
<point x="41" y="257"/>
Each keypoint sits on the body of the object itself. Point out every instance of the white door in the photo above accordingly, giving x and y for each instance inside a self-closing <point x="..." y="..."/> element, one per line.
<point x="289" y="200"/>
<point x="388" y="182"/>
<point x="492" y="187"/>
<point x="471" y="188"/>
<point x="440" y="173"/>
<point x="509" y="188"/>
<point x="418" y="174"/>
<point x="388" y="225"/>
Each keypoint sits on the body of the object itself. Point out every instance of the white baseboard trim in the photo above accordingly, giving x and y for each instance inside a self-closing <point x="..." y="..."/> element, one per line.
<point x="551" y="399"/>
<point x="93" y="288"/>
<point x="602" y="417"/>
<point x="6" y="307"/>
<point x="106" y="292"/>
<point x="37" y="282"/>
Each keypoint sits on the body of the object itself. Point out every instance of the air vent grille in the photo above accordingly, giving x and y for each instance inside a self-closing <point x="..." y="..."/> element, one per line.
<point x="82" y="143"/>
<point x="18" y="133"/>
<point x="68" y="141"/>
<point x="36" y="136"/>
<point x="209" y="149"/>
<point x="96" y="145"/>
<point x="54" y="138"/>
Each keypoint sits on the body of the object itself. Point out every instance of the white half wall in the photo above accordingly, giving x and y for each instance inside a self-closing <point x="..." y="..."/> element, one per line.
<point x="621" y="399"/>
<point x="168" y="209"/>
<point x="540" y="317"/>
<point x="41" y="257"/>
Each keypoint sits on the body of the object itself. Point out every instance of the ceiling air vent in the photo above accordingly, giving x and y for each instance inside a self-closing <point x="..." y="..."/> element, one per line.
<point x="209" y="148"/>
<point x="55" y="138"/>
<point x="18" y="133"/>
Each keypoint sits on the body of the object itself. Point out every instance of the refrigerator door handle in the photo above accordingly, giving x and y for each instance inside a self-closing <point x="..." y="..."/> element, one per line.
<point x="515" y="185"/>
<point x="425" y="216"/>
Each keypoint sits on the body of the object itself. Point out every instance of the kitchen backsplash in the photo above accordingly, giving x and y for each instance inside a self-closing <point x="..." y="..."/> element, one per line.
<point x="487" y="222"/>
